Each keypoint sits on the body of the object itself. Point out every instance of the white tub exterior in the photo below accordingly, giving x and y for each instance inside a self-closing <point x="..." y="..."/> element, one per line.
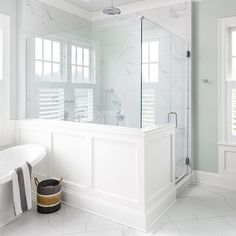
<point x="9" y="160"/>
<point x="123" y="174"/>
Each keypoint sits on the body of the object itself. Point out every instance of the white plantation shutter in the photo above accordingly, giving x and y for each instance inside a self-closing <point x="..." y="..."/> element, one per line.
<point x="148" y="108"/>
<point x="83" y="107"/>
<point x="51" y="104"/>
<point x="233" y="107"/>
<point x="233" y="81"/>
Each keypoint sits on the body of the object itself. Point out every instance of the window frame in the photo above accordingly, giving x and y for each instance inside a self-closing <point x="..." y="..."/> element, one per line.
<point x="91" y="67"/>
<point x="149" y="62"/>
<point x="225" y="82"/>
<point x="66" y="66"/>
<point x="62" y="63"/>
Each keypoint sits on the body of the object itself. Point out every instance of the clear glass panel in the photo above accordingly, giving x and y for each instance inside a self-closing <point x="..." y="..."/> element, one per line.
<point x="38" y="49"/>
<point x="79" y="56"/>
<point x="47" y="70"/>
<point x="154" y="51"/>
<point x="154" y="72"/>
<point x="86" y="74"/>
<point x="47" y="50"/>
<point x="98" y="67"/>
<point x="56" y="52"/>
<point x="145" y="52"/>
<point x="165" y="85"/>
<point x="179" y="101"/>
<point x="38" y="69"/>
<point x="79" y="74"/>
<point x="73" y="72"/>
<point x="56" y="72"/>
<point x="86" y="57"/>
<point x="73" y="55"/>
<point x="145" y="72"/>
<point x="156" y="90"/>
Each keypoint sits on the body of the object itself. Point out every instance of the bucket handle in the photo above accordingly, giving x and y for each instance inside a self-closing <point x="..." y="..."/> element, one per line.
<point x="60" y="181"/>
<point x="36" y="181"/>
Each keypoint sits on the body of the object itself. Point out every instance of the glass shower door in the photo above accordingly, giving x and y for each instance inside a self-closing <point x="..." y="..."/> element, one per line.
<point x="156" y="74"/>
<point x="165" y="86"/>
<point x="179" y="102"/>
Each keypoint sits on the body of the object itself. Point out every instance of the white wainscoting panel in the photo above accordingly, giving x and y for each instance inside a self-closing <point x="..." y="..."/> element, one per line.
<point x="123" y="174"/>
<point x="227" y="160"/>
<point x="115" y="168"/>
<point x="71" y="159"/>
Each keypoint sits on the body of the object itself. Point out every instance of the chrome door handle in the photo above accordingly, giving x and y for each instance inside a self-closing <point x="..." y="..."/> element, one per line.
<point x="176" y="118"/>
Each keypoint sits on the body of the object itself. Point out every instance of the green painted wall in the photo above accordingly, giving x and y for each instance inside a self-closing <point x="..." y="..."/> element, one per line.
<point x="205" y="96"/>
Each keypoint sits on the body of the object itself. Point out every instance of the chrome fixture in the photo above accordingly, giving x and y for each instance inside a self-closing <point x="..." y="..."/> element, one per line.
<point x="206" y="81"/>
<point x="111" y="11"/>
<point x="176" y="118"/>
<point x="120" y="116"/>
<point x="109" y="92"/>
<point x="66" y="115"/>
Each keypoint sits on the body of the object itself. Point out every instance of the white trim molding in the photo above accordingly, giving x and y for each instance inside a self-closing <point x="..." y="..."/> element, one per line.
<point x="224" y="129"/>
<point x="202" y="177"/>
<point x="126" y="9"/>
<point x="123" y="174"/>
<point x="226" y="144"/>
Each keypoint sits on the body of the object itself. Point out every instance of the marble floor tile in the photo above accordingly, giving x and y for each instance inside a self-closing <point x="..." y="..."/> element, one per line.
<point x="200" y="210"/>
<point x="115" y="232"/>
<point x="33" y="224"/>
<point x="231" y="220"/>
<point x="206" y="227"/>
<point x="97" y="223"/>
<point x="75" y="221"/>
<point x="187" y="208"/>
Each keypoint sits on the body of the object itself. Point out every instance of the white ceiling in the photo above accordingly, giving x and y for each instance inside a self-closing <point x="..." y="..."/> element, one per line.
<point x="97" y="5"/>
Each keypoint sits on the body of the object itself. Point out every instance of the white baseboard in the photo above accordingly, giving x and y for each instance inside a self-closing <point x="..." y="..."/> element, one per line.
<point x="161" y="206"/>
<point x="101" y="208"/>
<point x="119" y="214"/>
<point x="183" y="184"/>
<point x="214" y="179"/>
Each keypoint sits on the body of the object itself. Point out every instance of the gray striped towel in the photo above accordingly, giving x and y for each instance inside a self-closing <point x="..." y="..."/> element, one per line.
<point x="21" y="186"/>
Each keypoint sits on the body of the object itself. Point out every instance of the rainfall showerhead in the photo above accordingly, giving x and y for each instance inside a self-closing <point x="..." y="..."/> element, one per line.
<point x="112" y="11"/>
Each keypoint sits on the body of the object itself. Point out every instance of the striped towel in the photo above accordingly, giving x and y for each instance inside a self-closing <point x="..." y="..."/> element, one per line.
<point x="21" y="186"/>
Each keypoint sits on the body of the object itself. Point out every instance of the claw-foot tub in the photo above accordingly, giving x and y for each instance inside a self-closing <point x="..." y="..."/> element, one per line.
<point x="10" y="159"/>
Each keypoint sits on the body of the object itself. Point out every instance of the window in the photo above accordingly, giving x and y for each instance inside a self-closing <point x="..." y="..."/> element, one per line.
<point x="233" y="54"/>
<point x="48" y="60"/>
<point x="51" y="104"/>
<point x="83" y="107"/>
<point x="232" y="84"/>
<point x="81" y="60"/>
<point x="5" y="92"/>
<point x="227" y="80"/>
<point x="63" y="69"/>
<point x="148" y="108"/>
<point x="150" y="61"/>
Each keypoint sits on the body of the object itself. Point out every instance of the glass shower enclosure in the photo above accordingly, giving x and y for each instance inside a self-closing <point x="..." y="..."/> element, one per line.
<point x="165" y="77"/>
<point x="127" y="72"/>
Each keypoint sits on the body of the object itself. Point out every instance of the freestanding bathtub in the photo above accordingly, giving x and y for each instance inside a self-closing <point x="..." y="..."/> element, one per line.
<point x="9" y="160"/>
